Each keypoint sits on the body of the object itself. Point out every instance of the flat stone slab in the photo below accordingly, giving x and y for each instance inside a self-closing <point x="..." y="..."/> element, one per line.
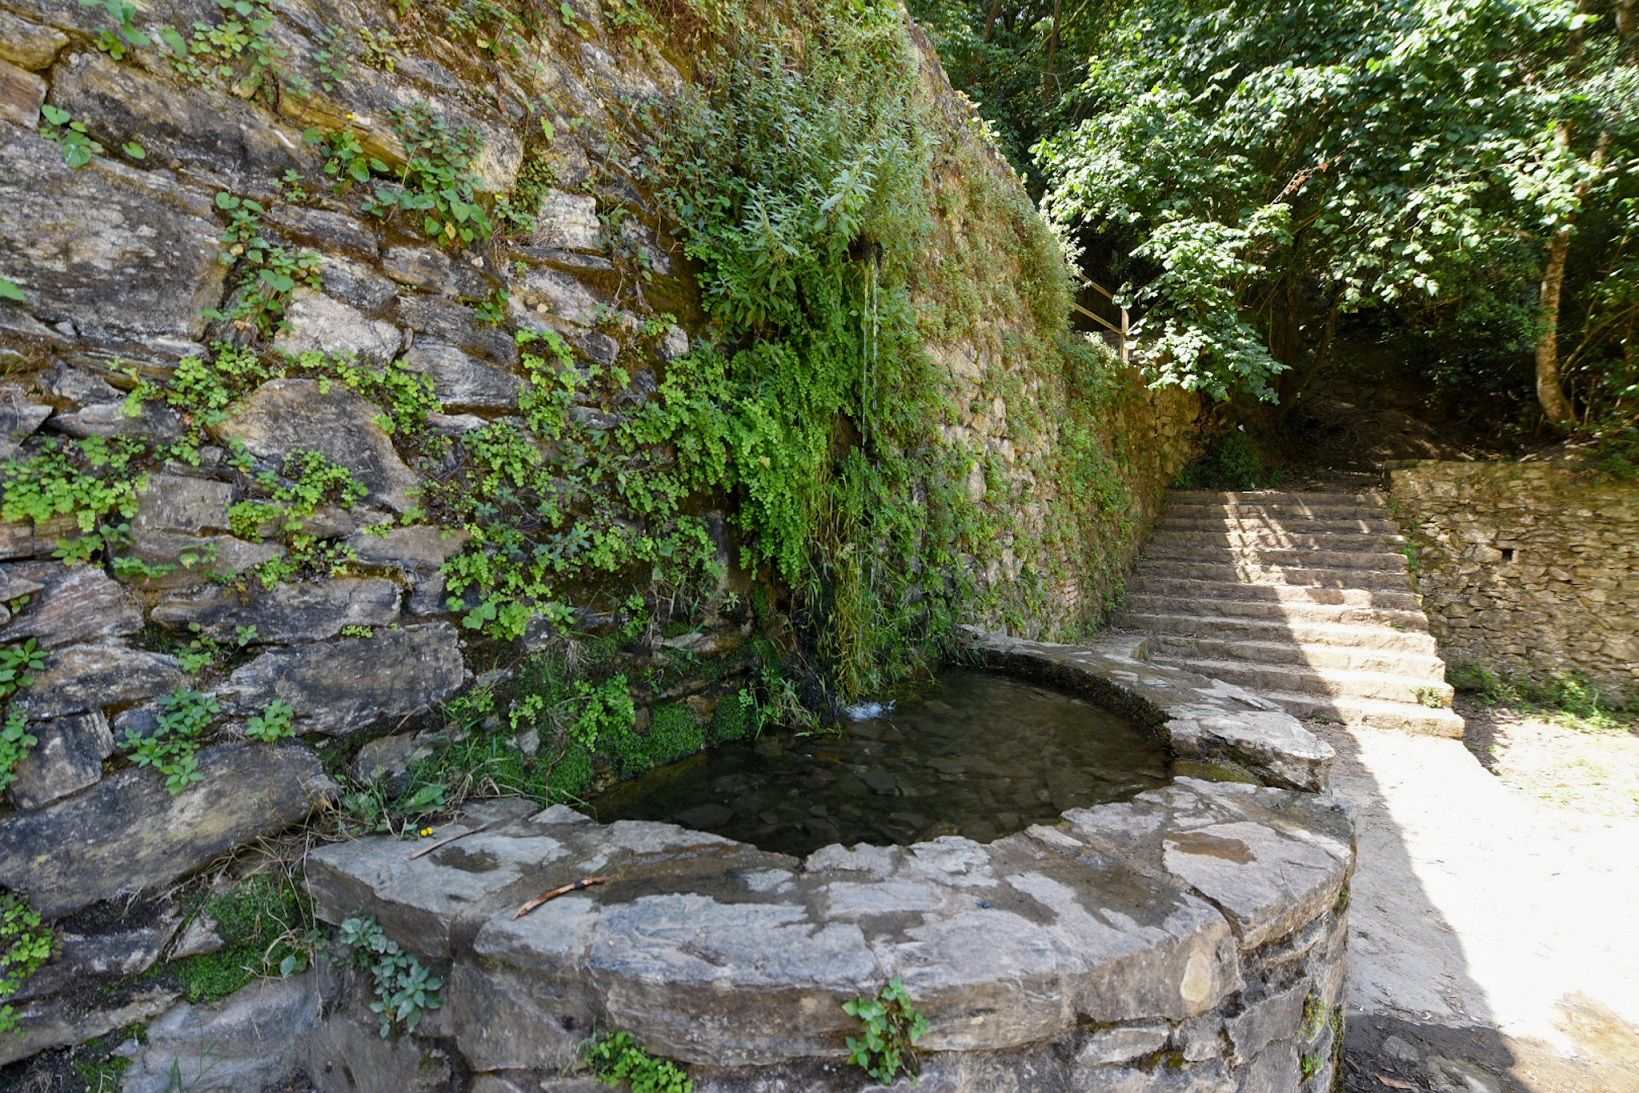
<point x="128" y="834"/>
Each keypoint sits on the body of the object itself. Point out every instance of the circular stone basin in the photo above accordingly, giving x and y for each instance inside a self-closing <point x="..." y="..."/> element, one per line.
<point x="975" y="754"/>
<point x="1188" y="937"/>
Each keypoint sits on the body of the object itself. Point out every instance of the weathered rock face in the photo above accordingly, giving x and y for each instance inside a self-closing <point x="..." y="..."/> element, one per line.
<point x="291" y="415"/>
<point x="355" y="684"/>
<point x="117" y="253"/>
<point x="127" y="834"/>
<point x="1527" y="568"/>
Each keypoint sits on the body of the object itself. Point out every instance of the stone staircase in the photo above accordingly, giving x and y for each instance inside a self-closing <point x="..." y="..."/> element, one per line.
<point x="1303" y="598"/>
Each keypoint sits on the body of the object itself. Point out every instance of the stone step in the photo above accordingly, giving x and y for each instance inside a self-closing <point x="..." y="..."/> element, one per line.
<point x="1201" y="624"/>
<point x="1324" y="507"/>
<point x="1325" y="682"/>
<point x="1375" y="712"/>
<point x="1273" y="538"/>
<point x="1377" y="561"/>
<point x="1386" y="598"/>
<point x="1227" y="603"/>
<point x="1174" y="520"/>
<point x="1421" y="667"/>
<point x="1313" y="499"/>
<point x="1312" y="576"/>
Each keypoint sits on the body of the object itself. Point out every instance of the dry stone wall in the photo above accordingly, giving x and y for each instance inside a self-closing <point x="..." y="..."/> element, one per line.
<point x="127" y="262"/>
<point x="1527" y="568"/>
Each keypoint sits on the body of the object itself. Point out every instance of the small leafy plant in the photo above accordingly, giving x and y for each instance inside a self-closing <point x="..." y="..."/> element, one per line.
<point x="892" y="1027"/>
<point x="275" y="722"/>
<point x="76" y="142"/>
<point x="18" y="663"/>
<point x="617" y="1058"/>
<point x="405" y="990"/>
<point x="125" y="36"/>
<point x="173" y="747"/>
<point x="25" y="944"/>
<point x="268" y="273"/>
<point x="237" y="52"/>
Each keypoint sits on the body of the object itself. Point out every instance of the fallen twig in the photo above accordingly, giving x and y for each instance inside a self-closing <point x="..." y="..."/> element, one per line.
<point x="560" y="890"/>
<point x="425" y="850"/>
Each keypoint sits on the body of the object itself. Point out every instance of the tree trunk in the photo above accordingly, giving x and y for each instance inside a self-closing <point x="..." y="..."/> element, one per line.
<point x="990" y="20"/>
<point x="1550" y="389"/>
<point x="1550" y="384"/>
<point x="1050" y="78"/>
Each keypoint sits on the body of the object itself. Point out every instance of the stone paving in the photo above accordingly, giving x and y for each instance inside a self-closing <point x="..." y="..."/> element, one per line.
<point x="1491" y="943"/>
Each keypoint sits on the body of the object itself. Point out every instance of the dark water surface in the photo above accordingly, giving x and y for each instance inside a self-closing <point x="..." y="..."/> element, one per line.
<point x="975" y="754"/>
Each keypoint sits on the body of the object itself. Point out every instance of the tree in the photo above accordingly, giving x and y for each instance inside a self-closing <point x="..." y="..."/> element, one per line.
<point x="1264" y="168"/>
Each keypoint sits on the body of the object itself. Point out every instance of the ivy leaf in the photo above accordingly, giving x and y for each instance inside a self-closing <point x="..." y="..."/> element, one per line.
<point x="10" y="291"/>
<point x="134" y="150"/>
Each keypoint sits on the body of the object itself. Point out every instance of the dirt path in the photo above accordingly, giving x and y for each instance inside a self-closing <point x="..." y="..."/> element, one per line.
<point x="1495" y="937"/>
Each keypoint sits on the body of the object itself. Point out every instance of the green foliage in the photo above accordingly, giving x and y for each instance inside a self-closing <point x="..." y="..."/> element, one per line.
<point x="124" y="36"/>
<point x="555" y="496"/>
<point x="616" y="1058"/>
<point x="818" y="404"/>
<point x="267" y="929"/>
<point x="674" y="733"/>
<point x="436" y="185"/>
<point x="1232" y="462"/>
<point x="204" y="651"/>
<point x="275" y="722"/>
<point x="1255" y="171"/>
<point x="237" y="52"/>
<point x="404" y="989"/>
<point x="15" y="743"/>
<point x="25" y="944"/>
<point x="172" y="748"/>
<point x="18" y="663"/>
<point x="102" y="1075"/>
<point x="76" y="142"/>
<point x="10" y="291"/>
<point x="89" y="479"/>
<point x="267" y="272"/>
<point x="1576" y="701"/>
<point x="892" y="1025"/>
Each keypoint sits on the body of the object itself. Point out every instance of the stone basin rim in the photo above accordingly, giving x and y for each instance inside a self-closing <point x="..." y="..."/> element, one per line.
<point x="712" y="951"/>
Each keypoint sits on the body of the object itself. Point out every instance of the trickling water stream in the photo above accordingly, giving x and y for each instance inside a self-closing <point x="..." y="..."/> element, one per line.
<point x="975" y="754"/>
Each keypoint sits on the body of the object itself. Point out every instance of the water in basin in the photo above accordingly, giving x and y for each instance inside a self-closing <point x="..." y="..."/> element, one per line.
<point x="974" y="753"/>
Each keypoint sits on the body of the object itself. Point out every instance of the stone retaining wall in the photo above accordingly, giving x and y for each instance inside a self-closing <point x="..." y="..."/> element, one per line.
<point x="1527" y="568"/>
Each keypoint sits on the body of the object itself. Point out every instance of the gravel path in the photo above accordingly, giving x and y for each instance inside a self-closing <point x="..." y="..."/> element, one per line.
<point x="1493" y="936"/>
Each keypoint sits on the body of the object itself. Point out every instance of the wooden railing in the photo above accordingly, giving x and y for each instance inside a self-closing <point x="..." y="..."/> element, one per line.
<point x="1120" y="331"/>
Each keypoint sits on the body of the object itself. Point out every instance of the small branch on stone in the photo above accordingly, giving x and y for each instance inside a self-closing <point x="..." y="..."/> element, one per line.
<point x="561" y="890"/>
<point x="425" y="850"/>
